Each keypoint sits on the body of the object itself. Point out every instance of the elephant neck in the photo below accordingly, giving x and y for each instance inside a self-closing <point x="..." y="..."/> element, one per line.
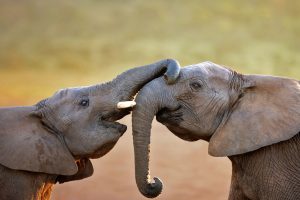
<point x="30" y="185"/>
<point x="264" y="168"/>
<point x="286" y="152"/>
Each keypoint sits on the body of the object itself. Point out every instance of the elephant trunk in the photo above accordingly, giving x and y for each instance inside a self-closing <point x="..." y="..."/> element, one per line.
<point x="131" y="81"/>
<point x="149" y="101"/>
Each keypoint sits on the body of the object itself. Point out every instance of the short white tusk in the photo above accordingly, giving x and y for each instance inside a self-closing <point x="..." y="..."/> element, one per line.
<point x="126" y="104"/>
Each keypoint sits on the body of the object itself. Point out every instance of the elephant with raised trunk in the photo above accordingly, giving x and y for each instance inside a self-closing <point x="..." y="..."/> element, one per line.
<point x="252" y="119"/>
<point x="53" y="140"/>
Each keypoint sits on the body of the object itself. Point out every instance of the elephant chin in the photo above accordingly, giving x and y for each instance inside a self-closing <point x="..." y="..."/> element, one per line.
<point x="183" y="133"/>
<point x="103" y="150"/>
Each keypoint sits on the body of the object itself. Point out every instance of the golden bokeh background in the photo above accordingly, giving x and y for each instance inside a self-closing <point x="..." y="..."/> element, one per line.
<point x="51" y="44"/>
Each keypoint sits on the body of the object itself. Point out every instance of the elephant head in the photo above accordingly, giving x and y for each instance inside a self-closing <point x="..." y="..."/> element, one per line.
<point x="236" y="113"/>
<point x="73" y="124"/>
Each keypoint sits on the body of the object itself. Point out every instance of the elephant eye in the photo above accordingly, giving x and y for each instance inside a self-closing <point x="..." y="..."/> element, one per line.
<point x="84" y="102"/>
<point x="195" y="86"/>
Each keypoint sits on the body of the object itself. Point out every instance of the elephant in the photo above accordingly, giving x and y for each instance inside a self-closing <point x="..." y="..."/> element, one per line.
<point x="54" y="140"/>
<point x="254" y="120"/>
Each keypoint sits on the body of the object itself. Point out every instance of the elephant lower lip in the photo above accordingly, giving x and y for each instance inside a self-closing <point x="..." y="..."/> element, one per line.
<point x="122" y="129"/>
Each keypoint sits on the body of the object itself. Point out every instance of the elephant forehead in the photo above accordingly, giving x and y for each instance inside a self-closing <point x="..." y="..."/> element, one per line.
<point x="71" y="92"/>
<point x="206" y="70"/>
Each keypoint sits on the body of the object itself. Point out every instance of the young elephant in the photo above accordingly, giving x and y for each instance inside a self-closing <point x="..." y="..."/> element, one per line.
<point x="53" y="140"/>
<point x="252" y="119"/>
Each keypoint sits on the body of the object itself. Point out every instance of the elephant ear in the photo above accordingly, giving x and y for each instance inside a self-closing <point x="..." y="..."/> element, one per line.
<point x="25" y="144"/>
<point x="85" y="170"/>
<point x="269" y="112"/>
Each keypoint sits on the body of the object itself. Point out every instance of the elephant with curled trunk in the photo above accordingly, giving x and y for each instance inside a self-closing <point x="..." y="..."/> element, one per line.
<point x="252" y="119"/>
<point x="53" y="140"/>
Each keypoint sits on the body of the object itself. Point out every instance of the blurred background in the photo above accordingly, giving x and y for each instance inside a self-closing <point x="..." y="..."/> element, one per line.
<point x="48" y="45"/>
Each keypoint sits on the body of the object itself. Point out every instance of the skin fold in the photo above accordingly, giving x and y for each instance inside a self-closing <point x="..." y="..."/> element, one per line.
<point x="254" y="120"/>
<point x="53" y="140"/>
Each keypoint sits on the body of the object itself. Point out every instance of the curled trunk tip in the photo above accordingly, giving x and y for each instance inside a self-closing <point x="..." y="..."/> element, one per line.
<point x="153" y="189"/>
<point x="149" y="101"/>
<point x="172" y="72"/>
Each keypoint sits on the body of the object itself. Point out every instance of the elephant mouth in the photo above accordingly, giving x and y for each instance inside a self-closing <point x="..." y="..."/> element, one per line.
<point x="121" y="128"/>
<point x="115" y="115"/>
<point x="169" y="117"/>
<point x="109" y="120"/>
<point x="172" y="119"/>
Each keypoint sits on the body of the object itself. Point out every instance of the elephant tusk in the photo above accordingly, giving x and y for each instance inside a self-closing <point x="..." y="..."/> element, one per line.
<point x="126" y="104"/>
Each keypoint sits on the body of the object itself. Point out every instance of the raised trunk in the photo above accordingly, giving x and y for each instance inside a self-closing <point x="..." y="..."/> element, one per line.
<point x="149" y="101"/>
<point x="127" y="84"/>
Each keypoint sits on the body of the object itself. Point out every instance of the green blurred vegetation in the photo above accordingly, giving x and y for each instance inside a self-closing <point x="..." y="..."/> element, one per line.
<point x="46" y="45"/>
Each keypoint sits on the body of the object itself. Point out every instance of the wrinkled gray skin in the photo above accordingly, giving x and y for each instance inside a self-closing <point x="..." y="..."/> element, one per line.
<point x="53" y="140"/>
<point x="252" y="119"/>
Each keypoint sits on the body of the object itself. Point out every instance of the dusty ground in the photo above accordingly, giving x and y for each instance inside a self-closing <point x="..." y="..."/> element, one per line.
<point x="188" y="172"/>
